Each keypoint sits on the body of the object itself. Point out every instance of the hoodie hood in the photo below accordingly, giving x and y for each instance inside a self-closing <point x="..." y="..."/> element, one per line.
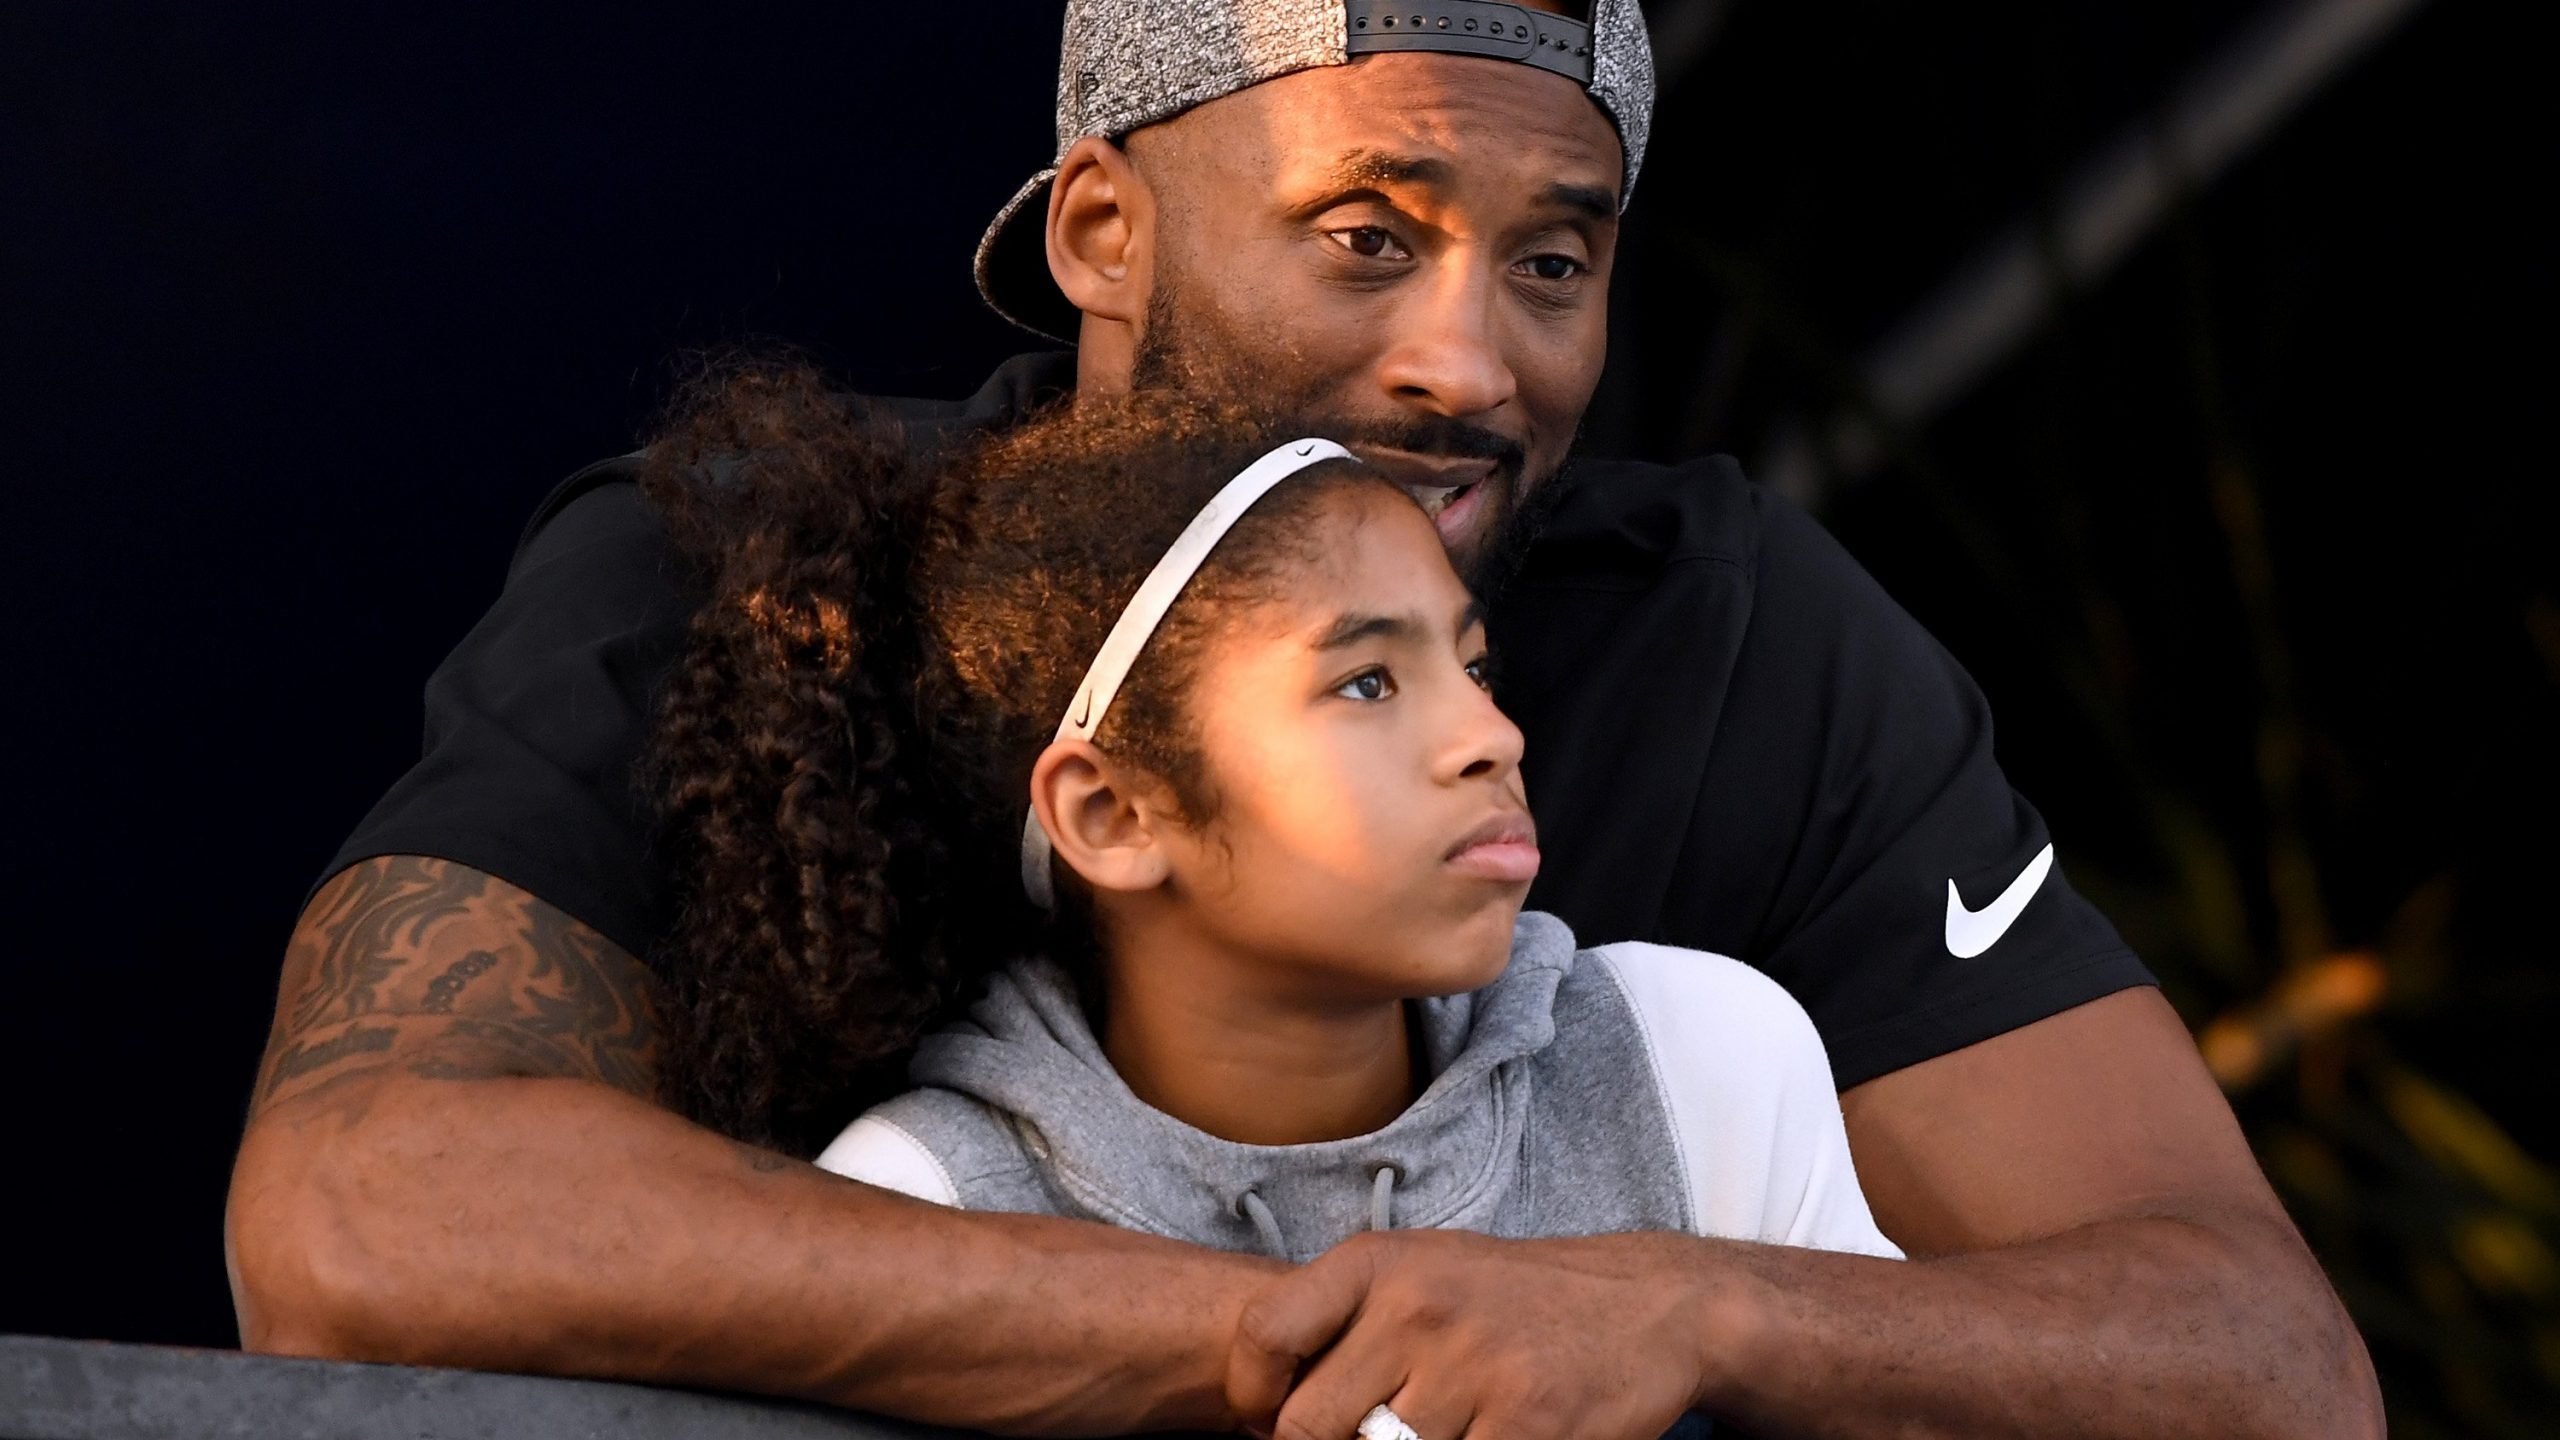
<point x="1448" y="1161"/>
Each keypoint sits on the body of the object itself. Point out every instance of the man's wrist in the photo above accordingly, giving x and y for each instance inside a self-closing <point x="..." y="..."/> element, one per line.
<point x="1726" y="1316"/>
<point x="1229" y="1284"/>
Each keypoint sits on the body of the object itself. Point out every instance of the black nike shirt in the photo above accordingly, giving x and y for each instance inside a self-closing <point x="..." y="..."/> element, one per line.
<point x="1736" y="742"/>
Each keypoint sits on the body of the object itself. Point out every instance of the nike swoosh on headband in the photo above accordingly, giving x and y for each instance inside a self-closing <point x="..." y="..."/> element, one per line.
<point x="1970" y="932"/>
<point x="1146" y="610"/>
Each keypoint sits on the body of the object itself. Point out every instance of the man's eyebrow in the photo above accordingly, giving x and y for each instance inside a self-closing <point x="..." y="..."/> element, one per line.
<point x="1358" y="169"/>
<point x="1593" y="201"/>
<point x="1366" y="169"/>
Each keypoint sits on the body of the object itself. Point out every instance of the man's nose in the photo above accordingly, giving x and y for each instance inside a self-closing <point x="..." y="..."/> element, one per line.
<point x="1447" y="357"/>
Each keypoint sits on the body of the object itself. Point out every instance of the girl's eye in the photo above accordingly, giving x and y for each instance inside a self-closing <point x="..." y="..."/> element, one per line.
<point x="1555" y="267"/>
<point x="1369" y="242"/>
<point x="1367" y="685"/>
<point x="1480" y="670"/>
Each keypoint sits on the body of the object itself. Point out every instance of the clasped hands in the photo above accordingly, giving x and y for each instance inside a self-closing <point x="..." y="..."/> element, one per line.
<point x="1471" y="1338"/>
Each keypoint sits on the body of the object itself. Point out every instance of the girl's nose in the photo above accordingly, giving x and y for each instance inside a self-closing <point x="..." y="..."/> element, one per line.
<point x="1489" y="745"/>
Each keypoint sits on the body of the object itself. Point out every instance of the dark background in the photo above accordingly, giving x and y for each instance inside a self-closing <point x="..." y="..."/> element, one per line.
<point x="2248" y="534"/>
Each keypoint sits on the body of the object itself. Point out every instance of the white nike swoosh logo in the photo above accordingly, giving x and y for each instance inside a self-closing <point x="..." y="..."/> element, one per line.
<point x="1970" y="932"/>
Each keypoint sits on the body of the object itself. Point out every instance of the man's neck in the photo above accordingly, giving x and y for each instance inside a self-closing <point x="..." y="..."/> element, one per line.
<point x="1193" y="1036"/>
<point x="1106" y="356"/>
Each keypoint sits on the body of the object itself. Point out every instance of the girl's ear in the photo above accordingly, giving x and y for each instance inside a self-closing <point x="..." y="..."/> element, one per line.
<point x="1101" y="232"/>
<point x="1097" y="821"/>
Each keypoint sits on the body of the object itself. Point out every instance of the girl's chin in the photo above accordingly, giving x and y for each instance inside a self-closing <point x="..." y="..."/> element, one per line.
<point x="1451" y="954"/>
<point x="1479" y="950"/>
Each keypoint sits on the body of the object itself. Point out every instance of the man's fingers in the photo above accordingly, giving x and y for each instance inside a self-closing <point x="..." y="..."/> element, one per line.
<point x="1342" y="1386"/>
<point x="1290" y="1322"/>
<point x="1436" y="1412"/>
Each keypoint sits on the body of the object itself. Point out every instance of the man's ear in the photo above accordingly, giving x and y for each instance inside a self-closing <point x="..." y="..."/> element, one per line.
<point x="1098" y="821"/>
<point x="1102" y="219"/>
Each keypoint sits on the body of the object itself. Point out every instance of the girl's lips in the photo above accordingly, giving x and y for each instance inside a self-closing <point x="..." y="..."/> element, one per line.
<point x="1507" y="860"/>
<point x="1502" y="848"/>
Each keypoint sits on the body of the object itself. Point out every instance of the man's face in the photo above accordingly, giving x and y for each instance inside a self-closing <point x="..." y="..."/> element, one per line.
<point x="1414" y="248"/>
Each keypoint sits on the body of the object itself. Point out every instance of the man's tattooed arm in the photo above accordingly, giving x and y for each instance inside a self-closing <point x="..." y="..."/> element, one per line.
<point x="435" y="970"/>
<point x="455" y="1158"/>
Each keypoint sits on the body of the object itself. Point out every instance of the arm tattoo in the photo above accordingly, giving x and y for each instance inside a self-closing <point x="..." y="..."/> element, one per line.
<point x="310" y="1056"/>
<point x="371" y="923"/>
<point x="444" y="973"/>
<point x="441" y="991"/>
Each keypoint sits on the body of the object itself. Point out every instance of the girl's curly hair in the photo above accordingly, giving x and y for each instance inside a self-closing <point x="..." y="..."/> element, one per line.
<point x="885" y="642"/>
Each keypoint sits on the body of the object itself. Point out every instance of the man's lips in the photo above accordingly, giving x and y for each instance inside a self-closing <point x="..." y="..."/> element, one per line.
<point x="1438" y="481"/>
<point x="1503" y="848"/>
<point x="1456" y="514"/>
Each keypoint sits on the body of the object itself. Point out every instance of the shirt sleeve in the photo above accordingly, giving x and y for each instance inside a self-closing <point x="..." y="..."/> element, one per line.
<point x="881" y="1152"/>
<point x="1751" y="1099"/>
<point x="536" y="722"/>
<point x="1853" y="815"/>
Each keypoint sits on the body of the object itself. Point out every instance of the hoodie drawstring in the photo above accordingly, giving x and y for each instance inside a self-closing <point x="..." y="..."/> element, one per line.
<point x="1382" y="1199"/>
<point x="1250" y="1202"/>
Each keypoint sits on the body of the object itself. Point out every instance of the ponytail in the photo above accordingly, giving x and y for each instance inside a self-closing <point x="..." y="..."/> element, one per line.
<point x="797" y="820"/>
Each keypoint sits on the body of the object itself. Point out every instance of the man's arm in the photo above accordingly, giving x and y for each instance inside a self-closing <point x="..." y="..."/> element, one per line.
<point x="2097" y="1254"/>
<point x="2094" y="1254"/>
<point x="453" y="1159"/>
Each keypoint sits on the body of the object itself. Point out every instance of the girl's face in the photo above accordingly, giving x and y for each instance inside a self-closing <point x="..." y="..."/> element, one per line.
<point x="1372" y="837"/>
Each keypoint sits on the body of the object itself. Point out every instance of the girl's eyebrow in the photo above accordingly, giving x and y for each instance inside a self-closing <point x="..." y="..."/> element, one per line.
<point x="1350" y="629"/>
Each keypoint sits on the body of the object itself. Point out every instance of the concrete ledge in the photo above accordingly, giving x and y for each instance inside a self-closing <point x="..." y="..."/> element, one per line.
<point x="91" y="1390"/>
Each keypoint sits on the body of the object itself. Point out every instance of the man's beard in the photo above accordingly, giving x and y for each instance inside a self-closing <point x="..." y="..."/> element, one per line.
<point x="1197" y="353"/>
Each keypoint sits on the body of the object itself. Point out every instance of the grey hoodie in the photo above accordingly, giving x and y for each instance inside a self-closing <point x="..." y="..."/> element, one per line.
<point x="1630" y="1087"/>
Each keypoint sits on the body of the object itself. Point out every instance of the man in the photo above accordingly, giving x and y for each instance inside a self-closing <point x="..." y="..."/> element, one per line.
<point x="455" y="1156"/>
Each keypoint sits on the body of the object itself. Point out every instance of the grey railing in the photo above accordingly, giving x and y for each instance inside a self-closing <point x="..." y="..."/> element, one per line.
<point x="91" y="1390"/>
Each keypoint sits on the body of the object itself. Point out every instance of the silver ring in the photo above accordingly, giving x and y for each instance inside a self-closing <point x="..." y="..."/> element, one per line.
<point x="1382" y="1423"/>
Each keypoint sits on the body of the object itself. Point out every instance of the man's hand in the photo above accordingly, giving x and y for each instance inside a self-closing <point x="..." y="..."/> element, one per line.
<point x="1468" y="1338"/>
<point x="455" y="1159"/>
<point x="2095" y="1254"/>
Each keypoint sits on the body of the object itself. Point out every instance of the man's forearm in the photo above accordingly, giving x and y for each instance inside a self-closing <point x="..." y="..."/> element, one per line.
<point x="454" y="1159"/>
<point x="2137" y="1327"/>
<point x="559" y="1226"/>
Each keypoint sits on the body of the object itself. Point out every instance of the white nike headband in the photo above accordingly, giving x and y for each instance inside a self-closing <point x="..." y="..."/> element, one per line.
<point x="1146" y="611"/>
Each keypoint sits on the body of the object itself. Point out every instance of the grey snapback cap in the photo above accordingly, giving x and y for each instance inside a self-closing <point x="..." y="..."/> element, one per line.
<point x="1128" y="63"/>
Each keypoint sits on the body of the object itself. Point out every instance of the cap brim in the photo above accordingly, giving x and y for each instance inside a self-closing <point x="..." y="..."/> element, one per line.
<point x="1013" y="266"/>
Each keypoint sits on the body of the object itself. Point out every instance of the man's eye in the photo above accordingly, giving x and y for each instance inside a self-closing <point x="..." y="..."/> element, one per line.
<point x="1369" y="242"/>
<point x="1367" y="685"/>
<point x="1555" y="267"/>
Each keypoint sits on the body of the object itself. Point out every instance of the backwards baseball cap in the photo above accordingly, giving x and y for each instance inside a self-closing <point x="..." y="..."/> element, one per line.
<point x="1128" y="63"/>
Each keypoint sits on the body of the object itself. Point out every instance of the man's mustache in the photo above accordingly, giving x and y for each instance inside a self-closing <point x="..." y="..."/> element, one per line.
<point x="1443" y="436"/>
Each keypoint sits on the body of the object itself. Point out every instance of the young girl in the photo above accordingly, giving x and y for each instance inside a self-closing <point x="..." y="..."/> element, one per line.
<point x="1167" y="737"/>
